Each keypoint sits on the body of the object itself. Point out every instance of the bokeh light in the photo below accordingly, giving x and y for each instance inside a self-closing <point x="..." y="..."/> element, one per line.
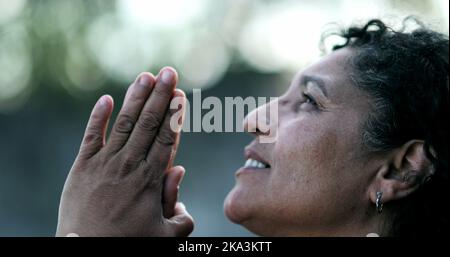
<point x="156" y="14"/>
<point x="84" y="44"/>
<point x="10" y="9"/>
<point x="15" y="62"/>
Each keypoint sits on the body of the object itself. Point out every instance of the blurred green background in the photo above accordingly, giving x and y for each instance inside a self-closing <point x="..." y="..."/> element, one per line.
<point x="58" y="56"/>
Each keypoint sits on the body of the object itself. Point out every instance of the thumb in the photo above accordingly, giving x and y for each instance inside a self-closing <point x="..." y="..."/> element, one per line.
<point x="182" y="224"/>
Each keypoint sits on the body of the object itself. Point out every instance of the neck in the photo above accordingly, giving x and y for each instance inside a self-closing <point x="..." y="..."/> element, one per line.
<point x="370" y="223"/>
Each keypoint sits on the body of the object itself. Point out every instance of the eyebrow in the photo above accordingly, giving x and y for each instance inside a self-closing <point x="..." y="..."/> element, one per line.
<point x="316" y="80"/>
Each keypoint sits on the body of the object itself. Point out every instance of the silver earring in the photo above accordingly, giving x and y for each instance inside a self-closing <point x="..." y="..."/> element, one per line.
<point x="378" y="203"/>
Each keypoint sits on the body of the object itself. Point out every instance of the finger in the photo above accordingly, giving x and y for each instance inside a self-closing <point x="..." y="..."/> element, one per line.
<point x="182" y="224"/>
<point x="164" y="145"/>
<point x="153" y="113"/>
<point x="171" y="188"/>
<point x="179" y="103"/>
<point x="135" y="99"/>
<point x="174" y="150"/>
<point x="94" y="136"/>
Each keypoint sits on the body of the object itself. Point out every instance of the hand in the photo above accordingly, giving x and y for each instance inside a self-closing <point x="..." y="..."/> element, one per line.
<point x="116" y="188"/>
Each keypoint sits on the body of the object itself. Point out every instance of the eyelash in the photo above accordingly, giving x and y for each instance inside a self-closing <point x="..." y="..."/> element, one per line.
<point x="309" y="99"/>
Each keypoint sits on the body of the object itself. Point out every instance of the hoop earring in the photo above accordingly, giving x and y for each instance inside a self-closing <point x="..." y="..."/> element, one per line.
<point x="378" y="203"/>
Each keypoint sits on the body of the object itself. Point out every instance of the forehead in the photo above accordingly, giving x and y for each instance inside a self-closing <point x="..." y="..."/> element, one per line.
<point x="335" y="70"/>
<point x="334" y="66"/>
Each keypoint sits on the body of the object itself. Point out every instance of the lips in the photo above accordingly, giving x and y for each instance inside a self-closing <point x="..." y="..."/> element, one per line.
<point x="254" y="160"/>
<point x="251" y="163"/>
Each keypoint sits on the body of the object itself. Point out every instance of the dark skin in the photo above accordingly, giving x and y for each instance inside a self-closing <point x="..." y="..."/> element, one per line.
<point x="115" y="186"/>
<point x="321" y="180"/>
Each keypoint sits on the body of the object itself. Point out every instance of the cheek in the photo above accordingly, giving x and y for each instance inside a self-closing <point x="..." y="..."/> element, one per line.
<point x="306" y="169"/>
<point x="304" y="147"/>
<point x="315" y="167"/>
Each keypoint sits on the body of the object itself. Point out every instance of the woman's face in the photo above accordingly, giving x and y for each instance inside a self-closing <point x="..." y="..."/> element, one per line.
<point x="318" y="174"/>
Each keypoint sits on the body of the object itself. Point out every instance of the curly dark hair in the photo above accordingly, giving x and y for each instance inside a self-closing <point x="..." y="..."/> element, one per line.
<point x="406" y="74"/>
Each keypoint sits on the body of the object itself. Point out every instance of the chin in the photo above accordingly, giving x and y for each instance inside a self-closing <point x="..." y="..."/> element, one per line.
<point x="235" y="208"/>
<point x="238" y="212"/>
<point x="244" y="203"/>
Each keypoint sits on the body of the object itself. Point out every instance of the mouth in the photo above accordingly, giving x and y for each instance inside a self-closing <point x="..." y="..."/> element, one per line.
<point x="254" y="163"/>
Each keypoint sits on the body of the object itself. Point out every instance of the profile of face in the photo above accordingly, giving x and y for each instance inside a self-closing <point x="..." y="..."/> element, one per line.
<point x="317" y="175"/>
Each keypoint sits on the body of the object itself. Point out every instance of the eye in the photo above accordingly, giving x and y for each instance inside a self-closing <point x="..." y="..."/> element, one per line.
<point x="308" y="103"/>
<point x="309" y="99"/>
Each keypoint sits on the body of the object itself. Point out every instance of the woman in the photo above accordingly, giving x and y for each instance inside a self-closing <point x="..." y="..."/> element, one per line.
<point x="361" y="148"/>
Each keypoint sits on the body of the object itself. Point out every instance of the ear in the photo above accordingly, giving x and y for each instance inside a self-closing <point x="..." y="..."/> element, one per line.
<point x="404" y="170"/>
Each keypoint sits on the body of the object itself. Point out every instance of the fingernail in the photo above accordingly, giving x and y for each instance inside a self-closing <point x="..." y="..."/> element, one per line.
<point x="144" y="79"/>
<point x="167" y="76"/>
<point x="102" y="101"/>
<point x="180" y="178"/>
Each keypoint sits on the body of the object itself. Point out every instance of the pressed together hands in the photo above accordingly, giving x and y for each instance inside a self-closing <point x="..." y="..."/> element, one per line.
<point x="125" y="185"/>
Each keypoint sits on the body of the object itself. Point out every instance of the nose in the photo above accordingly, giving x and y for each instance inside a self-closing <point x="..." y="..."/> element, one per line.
<point x="263" y="120"/>
<point x="250" y="122"/>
